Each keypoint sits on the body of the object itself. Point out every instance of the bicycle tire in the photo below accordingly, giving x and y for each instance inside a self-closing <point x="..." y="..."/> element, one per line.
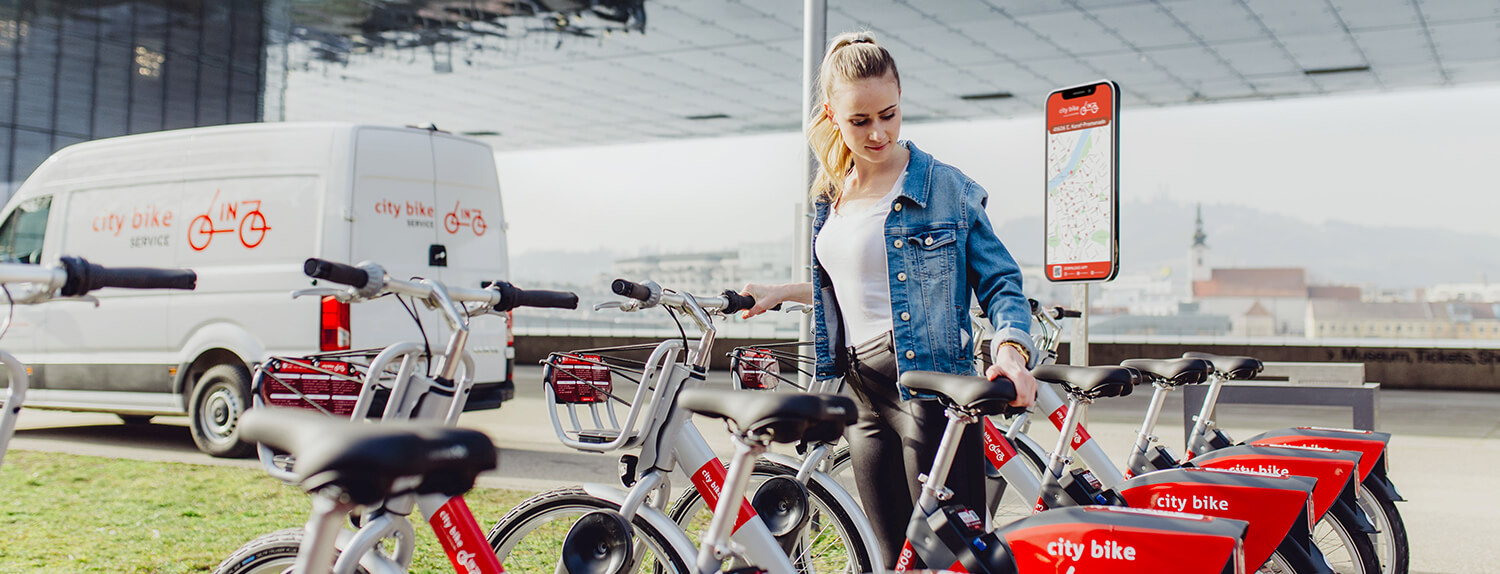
<point x="687" y="511"/>
<point x="509" y="538"/>
<point x="272" y="553"/>
<point x="1347" y="551"/>
<point x="1390" y="542"/>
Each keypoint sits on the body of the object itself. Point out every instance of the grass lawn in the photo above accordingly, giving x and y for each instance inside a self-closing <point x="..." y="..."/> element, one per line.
<point x="66" y="513"/>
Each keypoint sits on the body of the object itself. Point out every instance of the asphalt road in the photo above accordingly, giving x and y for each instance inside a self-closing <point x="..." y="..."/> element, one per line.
<point x="1444" y="457"/>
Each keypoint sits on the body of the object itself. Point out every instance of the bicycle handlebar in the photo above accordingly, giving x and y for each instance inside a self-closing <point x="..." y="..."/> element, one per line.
<point x="736" y="301"/>
<point x="84" y="277"/>
<point x="512" y="297"/>
<point x="1059" y="313"/>
<point x="335" y="272"/>
<point x="627" y="288"/>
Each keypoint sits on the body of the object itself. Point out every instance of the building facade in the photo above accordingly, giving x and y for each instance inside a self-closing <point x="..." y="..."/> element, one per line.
<point x="78" y="70"/>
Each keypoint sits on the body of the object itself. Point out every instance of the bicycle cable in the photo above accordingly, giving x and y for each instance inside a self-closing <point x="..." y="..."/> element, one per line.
<point x="426" y="345"/>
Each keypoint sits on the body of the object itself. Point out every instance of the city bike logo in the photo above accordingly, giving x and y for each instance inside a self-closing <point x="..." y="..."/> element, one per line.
<point x="461" y="217"/>
<point x="243" y="217"/>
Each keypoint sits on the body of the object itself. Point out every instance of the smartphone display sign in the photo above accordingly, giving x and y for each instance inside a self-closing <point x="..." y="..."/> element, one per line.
<point x="1082" y="209"/>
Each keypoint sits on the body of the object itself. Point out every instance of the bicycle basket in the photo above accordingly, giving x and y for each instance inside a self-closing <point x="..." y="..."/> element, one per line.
<point x="587" y="387"/>
<point x="329" y="383"/>
<point x="761" y="367"/>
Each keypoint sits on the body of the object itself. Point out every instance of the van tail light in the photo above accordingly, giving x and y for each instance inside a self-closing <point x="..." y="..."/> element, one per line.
<point x="333" y="327"/>
<point x="758" y="370"/>
<point x="580" y="379"/>
<point x="510" y="345"/>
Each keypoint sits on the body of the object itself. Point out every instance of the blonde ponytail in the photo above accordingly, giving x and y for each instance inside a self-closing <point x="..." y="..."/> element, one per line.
<point x="851" y="56"/>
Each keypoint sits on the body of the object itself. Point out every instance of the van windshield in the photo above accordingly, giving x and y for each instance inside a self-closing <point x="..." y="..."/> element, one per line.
<point x="22" y="234"/>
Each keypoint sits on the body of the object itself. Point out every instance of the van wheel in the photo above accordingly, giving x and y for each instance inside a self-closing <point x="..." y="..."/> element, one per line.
<point x="135" y="419"/>
<point x="220" y="397"/>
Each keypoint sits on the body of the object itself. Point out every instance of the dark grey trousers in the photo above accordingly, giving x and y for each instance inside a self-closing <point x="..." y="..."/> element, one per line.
<point x="895" y="440"/>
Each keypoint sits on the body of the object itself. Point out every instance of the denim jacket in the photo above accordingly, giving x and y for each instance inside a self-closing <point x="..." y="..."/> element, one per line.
<point x="940" y="248"/>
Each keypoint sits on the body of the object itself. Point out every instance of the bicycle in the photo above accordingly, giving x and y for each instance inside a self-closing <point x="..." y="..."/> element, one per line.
<point x="1025" y="479"/>
<point x="387" y="469"/>
<point x="437" y="396"/>
<point x="72" y="278"/>
<point x="1338" y="535"/>
<point x="582" y="384"/>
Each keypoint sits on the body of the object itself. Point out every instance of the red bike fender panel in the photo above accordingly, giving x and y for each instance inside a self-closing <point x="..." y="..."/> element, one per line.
<point x="1102" y="539"/>
<point x="1334" y="470"/>
<point x="996" y="447"/>
<point x="1369" y="444"/>
<point x="1272" y="505"/>
<point x="709" y="480"/>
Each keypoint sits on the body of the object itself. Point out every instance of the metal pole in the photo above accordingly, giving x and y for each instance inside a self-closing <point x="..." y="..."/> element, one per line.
<point x="814" y="38"/>
<point x="1078" y="347"/>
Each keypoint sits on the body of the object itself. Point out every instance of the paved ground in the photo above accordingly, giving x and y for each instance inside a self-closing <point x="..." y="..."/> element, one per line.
<point x="1445" y="456"/>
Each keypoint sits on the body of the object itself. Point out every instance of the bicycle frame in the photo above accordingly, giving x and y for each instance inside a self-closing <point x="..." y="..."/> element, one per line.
<point x="15" y="396"/>
<point x="668" y="440"/>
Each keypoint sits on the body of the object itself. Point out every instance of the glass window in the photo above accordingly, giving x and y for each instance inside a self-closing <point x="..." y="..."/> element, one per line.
<point x="22" y="234"/>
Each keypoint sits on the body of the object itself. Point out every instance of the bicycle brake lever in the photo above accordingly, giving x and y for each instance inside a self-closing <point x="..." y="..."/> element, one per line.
<point x="78" y="298"/>
<point x="626" y="306"/>
<point x="796" y="308"/>
<point x="343" y="295"/>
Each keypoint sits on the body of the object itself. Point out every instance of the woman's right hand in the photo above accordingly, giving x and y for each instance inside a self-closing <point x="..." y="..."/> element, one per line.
<point x="768" y="296"/>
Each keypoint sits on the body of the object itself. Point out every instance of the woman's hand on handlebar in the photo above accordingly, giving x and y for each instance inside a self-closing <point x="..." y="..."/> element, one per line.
<point x="1011" y="365"/>
<point x="768" y="296"/>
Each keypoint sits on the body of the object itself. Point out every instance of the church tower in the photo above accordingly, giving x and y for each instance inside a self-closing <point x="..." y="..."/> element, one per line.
<point x="1198" y="253"/>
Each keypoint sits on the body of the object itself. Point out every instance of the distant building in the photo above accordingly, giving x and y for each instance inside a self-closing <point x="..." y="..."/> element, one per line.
<point x="1451" y="320"/>
<point x="709" y="273"/>
<point x="1478" y="292"/>
<point x="1192" y="325"/>
<point x="1252" y="294"/>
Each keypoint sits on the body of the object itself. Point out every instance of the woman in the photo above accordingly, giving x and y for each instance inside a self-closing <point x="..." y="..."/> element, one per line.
<point x="900" y="242"/>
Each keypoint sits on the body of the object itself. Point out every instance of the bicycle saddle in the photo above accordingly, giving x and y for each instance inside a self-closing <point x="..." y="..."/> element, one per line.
<point x="1235" y="368"/>
<point x="1091" y="382"/>
<point x="782" y="417"/>
<point x="969" y="393"/>
<point x="1173" y="371"/>
<point x="364" y="459"/>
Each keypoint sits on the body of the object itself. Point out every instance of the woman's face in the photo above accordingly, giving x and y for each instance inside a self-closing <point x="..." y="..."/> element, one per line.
<point x="868" y="115"/>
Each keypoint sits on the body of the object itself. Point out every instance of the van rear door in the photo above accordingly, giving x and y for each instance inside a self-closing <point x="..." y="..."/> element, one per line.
<point x="472" y="229"/>
<point x="394" y="224"/>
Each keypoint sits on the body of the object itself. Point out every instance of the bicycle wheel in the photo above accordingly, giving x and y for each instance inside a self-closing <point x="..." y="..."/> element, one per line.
<point x="272" y="553"/>
<point x="1390" y="540"/>
<point x="829" y="543"/>
<point x="1348" y="551"/>
<point x="530" y="537"/>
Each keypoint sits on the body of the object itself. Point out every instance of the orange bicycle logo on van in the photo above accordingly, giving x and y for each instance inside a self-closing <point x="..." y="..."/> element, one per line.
<point x="251" y="226"/>
<point x="470" y="218"/>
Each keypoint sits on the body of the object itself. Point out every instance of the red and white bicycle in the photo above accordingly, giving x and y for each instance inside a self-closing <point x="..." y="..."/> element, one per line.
<point x="70" y="280"/>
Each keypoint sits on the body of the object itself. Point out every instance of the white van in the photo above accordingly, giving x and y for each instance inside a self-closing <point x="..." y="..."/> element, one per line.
<point x="244" y="206"/>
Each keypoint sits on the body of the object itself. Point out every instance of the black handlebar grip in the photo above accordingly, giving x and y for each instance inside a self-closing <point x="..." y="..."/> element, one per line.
<point x="335" y="272"/>
<point x="1034" y="305"/>
<point x="737" y="302"/>
<point x="626" y="288"/>
<point x="1061" y="313"/>
<point x="512" y="297"/>
<point x="84" y="277"/>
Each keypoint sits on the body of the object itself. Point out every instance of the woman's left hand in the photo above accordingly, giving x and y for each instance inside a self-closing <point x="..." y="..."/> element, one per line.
<point x="1012" y="366"/>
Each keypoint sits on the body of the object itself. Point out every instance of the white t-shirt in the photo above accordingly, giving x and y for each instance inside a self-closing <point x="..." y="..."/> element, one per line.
<point x="851" y="248"/>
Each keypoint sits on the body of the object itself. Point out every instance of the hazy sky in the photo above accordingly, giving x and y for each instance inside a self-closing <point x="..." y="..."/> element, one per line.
<point x="1427" y="158"/>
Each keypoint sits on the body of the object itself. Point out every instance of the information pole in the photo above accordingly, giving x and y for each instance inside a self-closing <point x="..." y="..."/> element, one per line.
<point x="1081" y="220"/>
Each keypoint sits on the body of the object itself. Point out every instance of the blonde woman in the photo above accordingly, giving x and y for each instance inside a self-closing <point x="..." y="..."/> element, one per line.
<point x="901" y="244"/>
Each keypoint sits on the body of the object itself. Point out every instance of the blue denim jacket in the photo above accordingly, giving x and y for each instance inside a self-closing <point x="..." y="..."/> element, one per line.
<point x="940" y="248"/>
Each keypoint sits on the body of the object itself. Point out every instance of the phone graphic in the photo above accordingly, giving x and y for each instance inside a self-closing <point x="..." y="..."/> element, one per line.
<point x="1082" y="210"/>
